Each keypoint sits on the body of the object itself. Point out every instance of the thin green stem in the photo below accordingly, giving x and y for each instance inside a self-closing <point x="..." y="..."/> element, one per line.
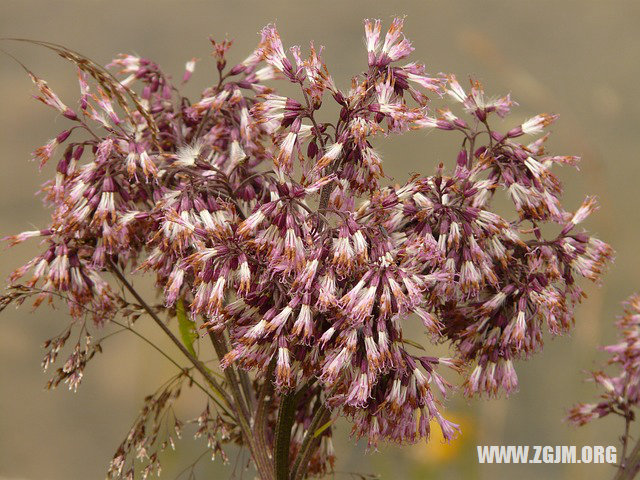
<point x="309" y="443"/>
<point x="241" y="409"/>
<point x="164" y="354"/>
<point x="196" y="363"/>
<point x="219" y="344"/>
<point x="247" y="389"/>
<point x="245" y="382"/>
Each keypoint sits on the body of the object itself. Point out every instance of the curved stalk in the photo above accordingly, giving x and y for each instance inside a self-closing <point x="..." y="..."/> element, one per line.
<point x="196" y="363"/>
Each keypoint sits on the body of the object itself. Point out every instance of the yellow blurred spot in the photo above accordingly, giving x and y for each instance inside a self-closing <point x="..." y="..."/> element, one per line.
<point x="437" y="450"/>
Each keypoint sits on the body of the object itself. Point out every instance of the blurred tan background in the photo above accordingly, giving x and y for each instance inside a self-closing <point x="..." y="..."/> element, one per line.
<point x="580" y="59"/>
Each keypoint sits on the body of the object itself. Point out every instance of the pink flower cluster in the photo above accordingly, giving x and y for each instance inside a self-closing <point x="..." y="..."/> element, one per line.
<point x="282" y="234"/>
<point x="621" y="392"/>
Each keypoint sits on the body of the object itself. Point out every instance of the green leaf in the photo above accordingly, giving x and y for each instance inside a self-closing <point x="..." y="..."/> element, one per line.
<point x="321" y="429"/>
<point x="187" y="328"/>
